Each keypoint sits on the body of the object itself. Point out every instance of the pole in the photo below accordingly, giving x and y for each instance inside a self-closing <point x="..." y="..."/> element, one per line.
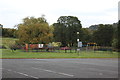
<point x="78" y="43"/>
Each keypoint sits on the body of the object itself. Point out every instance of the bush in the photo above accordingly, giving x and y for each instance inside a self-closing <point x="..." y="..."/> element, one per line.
<point x="115" y="43"/>
<point x="14" y="47"/>
<point x="3" y="47"/>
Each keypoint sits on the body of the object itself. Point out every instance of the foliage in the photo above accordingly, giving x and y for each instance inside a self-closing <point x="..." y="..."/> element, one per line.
<point x="2" y="47"/>
<point x="37" y="30"/>
<point x="56" y="44"/>
<point x="34" y="30"/>
<point x="115" y="37"/>
<point x="86" y="35"/>
<point x="8" y="32"/>
<point x="115" y="43"/>
<point x="1" y="27"/>
<point x="118" y="36"/>
<point x="65" y="30"/>
<point x="104" y="35"/>
<point x="7" y="42"/>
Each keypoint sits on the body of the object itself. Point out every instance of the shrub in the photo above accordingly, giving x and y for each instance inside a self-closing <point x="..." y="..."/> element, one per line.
<point x="3" y="47"/>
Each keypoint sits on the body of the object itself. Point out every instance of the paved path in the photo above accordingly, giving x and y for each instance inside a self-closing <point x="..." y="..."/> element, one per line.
<point x="59" y="68"/>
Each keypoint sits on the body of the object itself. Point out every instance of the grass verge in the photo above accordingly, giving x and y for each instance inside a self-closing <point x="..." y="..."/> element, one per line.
<point x="7" y="53"/>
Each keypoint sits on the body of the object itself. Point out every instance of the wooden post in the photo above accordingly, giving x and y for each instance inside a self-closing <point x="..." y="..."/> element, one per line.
<point x="26" y="47"/>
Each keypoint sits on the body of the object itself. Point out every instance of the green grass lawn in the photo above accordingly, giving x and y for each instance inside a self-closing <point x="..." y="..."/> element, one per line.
<point x="7" y="53"/>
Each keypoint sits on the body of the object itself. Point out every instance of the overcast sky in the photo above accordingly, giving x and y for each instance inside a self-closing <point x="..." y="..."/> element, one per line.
<point x="89" y="12"/>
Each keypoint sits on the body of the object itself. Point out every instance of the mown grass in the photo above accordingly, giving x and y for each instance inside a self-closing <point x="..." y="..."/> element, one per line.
<point x="7" y="53"/>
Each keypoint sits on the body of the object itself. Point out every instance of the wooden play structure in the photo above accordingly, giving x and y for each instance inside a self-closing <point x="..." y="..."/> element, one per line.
<point x="38" y="47"/>
<point x="91" y="46"/>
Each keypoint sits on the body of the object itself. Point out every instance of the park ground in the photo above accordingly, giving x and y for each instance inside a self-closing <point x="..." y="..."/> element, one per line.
<point x="8" y="53"/>
<point x="58" y="64"/>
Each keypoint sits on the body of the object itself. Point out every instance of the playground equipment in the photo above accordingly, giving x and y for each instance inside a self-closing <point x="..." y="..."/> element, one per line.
<point x="91" y="46"/>
<point x="37" y="47"/>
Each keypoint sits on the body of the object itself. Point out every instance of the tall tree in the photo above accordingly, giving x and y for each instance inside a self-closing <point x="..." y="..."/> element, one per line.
<point x="115" y="36"/>
<point x="86" y="35"/>
<point x="118" y="36"/>
<point x="104" y="35"/>
<point x="34" y="30"/>
<point x="1" y="28"/>
<point x="65" y="30"/>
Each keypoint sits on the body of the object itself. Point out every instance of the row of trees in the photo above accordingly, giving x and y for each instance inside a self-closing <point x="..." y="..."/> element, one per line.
<point x="104" y="35"/>
<point x="7" y="32"/>
<point x="37" y="30"/>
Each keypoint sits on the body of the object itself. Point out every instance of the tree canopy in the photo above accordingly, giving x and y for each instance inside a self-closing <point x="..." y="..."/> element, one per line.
<point x="34" y="30"/>
<point x="118" y="36"/>
<point x="104" y="35"/>
<point x="37" y="30"/>
<point x="65" y="30"/>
